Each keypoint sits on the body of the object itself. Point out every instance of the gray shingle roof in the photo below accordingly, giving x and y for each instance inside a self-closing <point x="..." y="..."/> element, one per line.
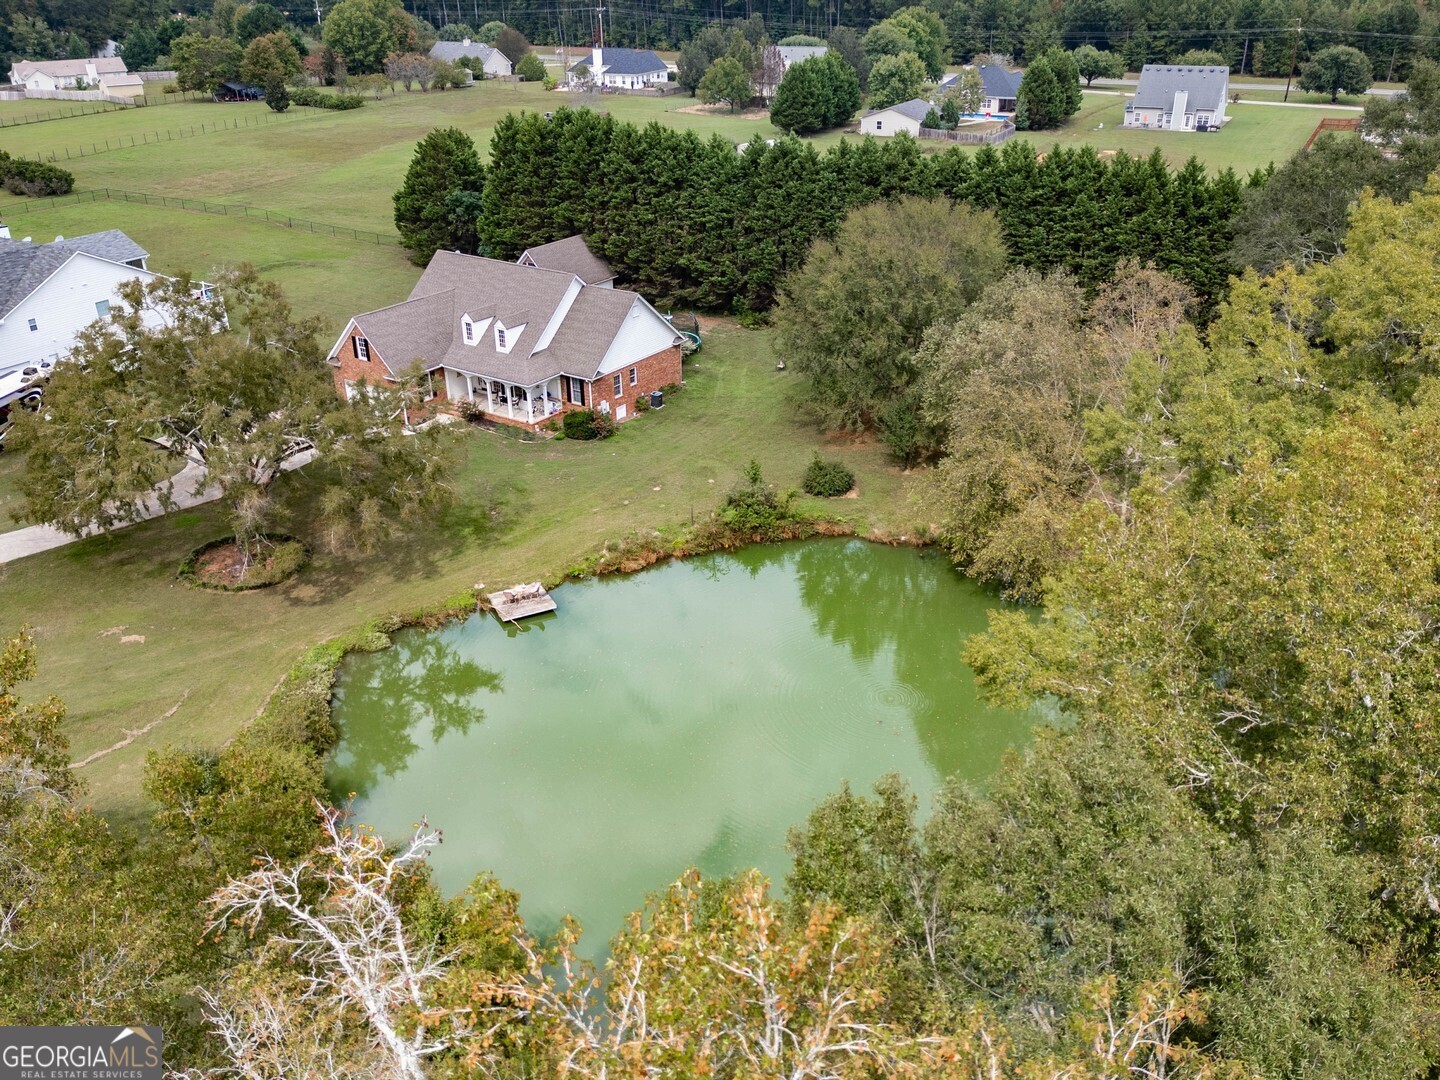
<point x="1160" y="82"/>
<point x="625" y="62"/>
<point x="23" y="267"/>
<point x="427" y="326"/>
<point x="915" y="109"/>
<point x="64" y="69"/>
<point x="572" y="256"/>
<point x="998" y="82"/>
<point x="454" y="50"/>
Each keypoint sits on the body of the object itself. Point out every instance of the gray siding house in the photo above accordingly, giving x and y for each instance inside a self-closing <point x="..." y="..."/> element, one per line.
<point x="494" y="63"/>
<point x="1174" y="98"/>
<point x="906" y="116"/>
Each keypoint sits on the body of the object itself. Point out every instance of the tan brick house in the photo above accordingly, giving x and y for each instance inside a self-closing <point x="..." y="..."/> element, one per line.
<point x="522" y="342"/>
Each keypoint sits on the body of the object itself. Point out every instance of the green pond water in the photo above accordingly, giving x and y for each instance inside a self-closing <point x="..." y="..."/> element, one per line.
<point x="687" y="715"/>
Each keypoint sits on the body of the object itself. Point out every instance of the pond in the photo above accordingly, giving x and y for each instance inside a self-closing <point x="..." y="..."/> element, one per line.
<point x="686" y="715"/>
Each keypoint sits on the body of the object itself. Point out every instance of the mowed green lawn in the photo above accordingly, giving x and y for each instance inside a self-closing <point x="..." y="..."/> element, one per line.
<point x="1255" y="136"/>
<point x="218" y="655"/>
<point x="332" y="277"/>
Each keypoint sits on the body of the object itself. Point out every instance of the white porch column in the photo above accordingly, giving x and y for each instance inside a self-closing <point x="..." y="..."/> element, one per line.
<point x="489" y="397"/>
<point x="510" y="400"/>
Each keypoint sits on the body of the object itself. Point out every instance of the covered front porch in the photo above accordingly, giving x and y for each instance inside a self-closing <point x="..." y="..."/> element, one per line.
<point x="509" y="402"/>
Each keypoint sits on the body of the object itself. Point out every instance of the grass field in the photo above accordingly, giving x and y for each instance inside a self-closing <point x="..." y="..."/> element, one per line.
<point x="1255" y="136"/>
<point x="217" y="655"/>
<point x="214" y="657"/>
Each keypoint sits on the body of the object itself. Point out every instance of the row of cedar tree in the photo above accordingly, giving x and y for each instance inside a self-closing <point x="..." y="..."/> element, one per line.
<point x="699" y="224"/>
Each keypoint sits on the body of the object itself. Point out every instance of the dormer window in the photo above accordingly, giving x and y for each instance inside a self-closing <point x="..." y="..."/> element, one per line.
<point x="507" y="336"/>
<point x="469" y="332"/>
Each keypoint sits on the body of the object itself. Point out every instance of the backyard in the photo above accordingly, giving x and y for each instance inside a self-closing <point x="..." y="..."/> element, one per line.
<point x="125" y="643"/>
<point x="144" y="661"/>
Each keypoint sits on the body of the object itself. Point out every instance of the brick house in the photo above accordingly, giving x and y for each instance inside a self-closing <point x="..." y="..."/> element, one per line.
<point x="522" y="342"/>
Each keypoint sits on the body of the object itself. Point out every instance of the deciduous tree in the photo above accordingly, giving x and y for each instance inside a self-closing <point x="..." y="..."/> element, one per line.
<point x="1336" y="69"/>
<point x="163" y="381"/>
<point x="203" y="63"/>
<point x="1093" y="63"/>
<point x="270" y="58"/>
<point x="852" y="318"/>
<point x="727" y="81"/>
<point x="894" y="79"/>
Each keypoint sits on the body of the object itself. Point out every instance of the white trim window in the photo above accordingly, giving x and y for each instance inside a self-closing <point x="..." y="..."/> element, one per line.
<point x="469" y="331"/>
<point x="576" y="389"/>
<point x="102" y="308"/>
<point x="634" y="376"/>
<point x="362" y="348"/>
<point x="618" y="391"/>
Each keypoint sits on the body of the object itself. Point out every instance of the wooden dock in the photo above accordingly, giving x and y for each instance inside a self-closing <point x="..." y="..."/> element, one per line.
<point x="521" y="601"/>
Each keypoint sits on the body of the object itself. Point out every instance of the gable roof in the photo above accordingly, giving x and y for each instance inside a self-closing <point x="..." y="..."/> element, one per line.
<point x="67" y="69"/>
<point x="24" y="267"/>
<point x="454" y="50"/>
<point x="998" y="82"/>
<point x="1160" y="82"/>
<point x="914" y="109"/>
<point x="427" y="326"/>
<point x="572" y="256"/>
<point x="793" y="54"/>
<point x="625" y="62"/>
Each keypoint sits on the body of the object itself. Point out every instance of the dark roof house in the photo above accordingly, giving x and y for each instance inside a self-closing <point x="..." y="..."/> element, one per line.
<point x="999" y="83"/>
<point x="24" y="266"/>
<point x="1179" y="98"/>
<point x="520" y="340"/>
<point x="572" y="256"/>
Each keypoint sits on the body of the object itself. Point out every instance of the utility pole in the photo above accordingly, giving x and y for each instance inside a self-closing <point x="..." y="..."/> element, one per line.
<point x="600" y="23"/>
<point x="317" y="12"/>
<point x="1245" y="54"/>
<point x="1294" y="55"/>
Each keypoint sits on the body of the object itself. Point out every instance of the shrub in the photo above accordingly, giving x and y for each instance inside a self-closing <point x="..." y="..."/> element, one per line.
<point x="470" y="411"/>
<point x="827" y="478"/>
<point x="642" y="403"/>
<point x="588" y="424"/>
<point x="752" y="506"/>
<point x="170" y="88"/>
<point x="33" y="178"/>
<point x="315" y="99"/>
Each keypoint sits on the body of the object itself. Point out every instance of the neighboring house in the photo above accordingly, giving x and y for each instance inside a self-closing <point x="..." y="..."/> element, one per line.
<point x="905" y="116"/>
<point x="1002" y="88"/>
<point x="1177" y="98"/>
<point x="94" y="73"/>
<point x="790" y="55"/>
<point x="623" y="69"/>
<point x="775" y="61"/>
<point x="521" y="342"/>
<point x="571" y="256"/>
<point x="50" y="292"/>
<point x="493" y="62"/>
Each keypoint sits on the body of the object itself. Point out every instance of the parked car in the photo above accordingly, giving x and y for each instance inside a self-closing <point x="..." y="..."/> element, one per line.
<point x="24" y="387"/>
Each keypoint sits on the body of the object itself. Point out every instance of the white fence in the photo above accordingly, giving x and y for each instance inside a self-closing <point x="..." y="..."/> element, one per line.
<point x="78" y="95"/>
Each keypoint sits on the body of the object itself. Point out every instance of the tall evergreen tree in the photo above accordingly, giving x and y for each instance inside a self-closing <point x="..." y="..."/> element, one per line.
<point x="1042" y="102"/>
<point x="431" y="211"/>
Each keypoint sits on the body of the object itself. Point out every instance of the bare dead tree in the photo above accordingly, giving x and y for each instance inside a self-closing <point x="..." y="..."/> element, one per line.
<point x="342" y="925"/>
